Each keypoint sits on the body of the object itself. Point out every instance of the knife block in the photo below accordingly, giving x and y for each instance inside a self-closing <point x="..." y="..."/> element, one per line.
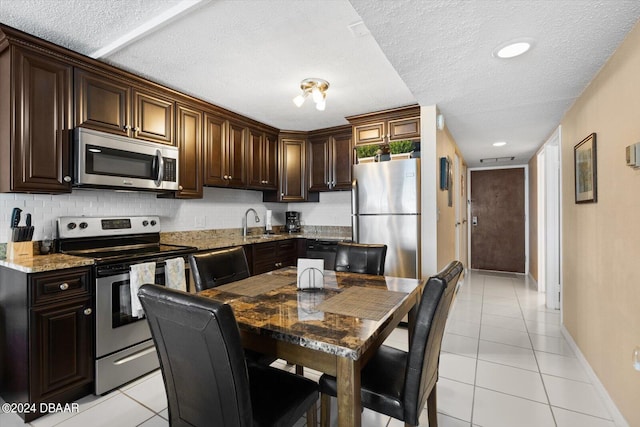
<point x="17" y="250"/>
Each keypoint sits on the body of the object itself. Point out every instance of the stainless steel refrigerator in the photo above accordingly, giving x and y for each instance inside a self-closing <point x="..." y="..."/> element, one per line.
<point x="385" y="209"/>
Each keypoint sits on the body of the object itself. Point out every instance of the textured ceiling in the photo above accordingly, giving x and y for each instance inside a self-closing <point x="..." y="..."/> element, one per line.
<point x="250" y="56"/>
<point x="442" y="49"/>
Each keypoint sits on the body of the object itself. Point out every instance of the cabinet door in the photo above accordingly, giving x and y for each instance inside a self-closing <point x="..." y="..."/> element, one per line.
<point x="236" y="155"/>
<point x="319" y="167"/>
<point x="102" y="103"/>
<point x="61" y="348"/>
<point x="189" y="139"/>
<point x="255" y="159"/>
<point x="287" y="253"/>
<point x="341" y="162"/>
<point x="262" y="161"/>
<point x="292" y="179"/>
<point x="42" y="109"/>
<point x="408" y="128"/>
<point x="215" y="168"/>
<point x="153" y="117"/>
<point x="369" y="133"/>
<point x="270" y="162"/>
<point x="264" y="257"/>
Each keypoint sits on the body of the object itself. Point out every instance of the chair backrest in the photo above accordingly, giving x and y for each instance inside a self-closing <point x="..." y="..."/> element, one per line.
<point x="359" y="258"/>
<point x="201" y="358"/>
<point x="424" y="354"/>
<point x="211" y="269"/>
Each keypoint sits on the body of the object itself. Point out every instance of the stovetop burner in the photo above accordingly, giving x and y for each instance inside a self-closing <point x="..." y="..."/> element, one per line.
<point x="115" y="240"/>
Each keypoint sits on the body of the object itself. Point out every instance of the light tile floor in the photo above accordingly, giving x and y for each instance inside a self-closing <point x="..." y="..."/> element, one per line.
<point x="504" y="362"/>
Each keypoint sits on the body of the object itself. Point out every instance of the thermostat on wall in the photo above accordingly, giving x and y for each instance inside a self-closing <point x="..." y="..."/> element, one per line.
<point x="633" y="155"/>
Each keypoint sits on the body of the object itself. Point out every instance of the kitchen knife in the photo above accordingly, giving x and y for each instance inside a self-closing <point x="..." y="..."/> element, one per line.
<point x="28" y="229"/>
<point x="15" y="217"/>
<point x="15" y="220"/>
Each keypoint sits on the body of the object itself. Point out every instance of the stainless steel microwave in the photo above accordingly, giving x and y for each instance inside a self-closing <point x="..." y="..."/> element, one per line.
<point x="103" y="160"/>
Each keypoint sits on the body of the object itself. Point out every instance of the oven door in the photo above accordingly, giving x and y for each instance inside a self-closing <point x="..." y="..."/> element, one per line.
<point x="116" y="329"/>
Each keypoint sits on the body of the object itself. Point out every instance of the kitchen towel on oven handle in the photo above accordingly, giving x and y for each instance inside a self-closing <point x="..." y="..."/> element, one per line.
<point x="140" y="275"/>
<point x="174" y="276"/>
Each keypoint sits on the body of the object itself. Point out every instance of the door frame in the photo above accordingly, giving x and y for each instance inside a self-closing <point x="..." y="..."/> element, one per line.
<point x="526" y="209"/>
<point x="456" y="204"/>
<point x="550" y="220"/>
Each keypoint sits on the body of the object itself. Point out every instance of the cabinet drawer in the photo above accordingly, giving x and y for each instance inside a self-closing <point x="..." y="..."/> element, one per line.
<point x="287" y="250"/>
<point x="59" y="285"/>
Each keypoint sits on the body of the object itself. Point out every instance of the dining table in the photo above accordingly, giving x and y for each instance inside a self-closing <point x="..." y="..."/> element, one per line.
<point x="334" y="326"/>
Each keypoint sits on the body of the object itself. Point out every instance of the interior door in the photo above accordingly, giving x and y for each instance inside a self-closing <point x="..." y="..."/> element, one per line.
<point x="498" y="220"/>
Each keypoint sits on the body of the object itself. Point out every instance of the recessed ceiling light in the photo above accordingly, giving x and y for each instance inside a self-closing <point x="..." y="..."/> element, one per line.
<point x="513" y="48"/>
<point x="499" y="144"/>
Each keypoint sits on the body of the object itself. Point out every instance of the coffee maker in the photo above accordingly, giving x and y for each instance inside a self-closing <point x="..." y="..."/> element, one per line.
<point x="292" y="225"/>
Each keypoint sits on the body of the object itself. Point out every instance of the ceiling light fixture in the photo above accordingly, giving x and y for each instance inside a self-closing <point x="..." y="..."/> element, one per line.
<point x="513" y="48"/>
<point x="497" y="159"/>
<point x="318" y="90"/>
<point x="499" y="144"/>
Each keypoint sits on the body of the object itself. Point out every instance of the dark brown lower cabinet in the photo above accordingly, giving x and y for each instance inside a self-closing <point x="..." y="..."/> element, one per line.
<point x="46" y="340"/>
<point x="270" y="256"/>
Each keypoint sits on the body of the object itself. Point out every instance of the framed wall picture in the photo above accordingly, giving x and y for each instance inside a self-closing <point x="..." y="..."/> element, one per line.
<point x="586" y="171"/>
<point x="444" y="173"/>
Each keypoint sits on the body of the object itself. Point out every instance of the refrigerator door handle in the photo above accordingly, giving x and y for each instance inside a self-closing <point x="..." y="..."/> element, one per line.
<point x="355" y="211"/>
<point x="354" y="229"/>
<point x="354" y="197"/>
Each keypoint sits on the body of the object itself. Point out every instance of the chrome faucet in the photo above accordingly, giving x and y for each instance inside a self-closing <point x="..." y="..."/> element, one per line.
<point x="244" y="225"/>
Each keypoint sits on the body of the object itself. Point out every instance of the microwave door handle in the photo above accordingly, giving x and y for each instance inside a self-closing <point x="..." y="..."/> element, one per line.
<point x="160" y="165"/>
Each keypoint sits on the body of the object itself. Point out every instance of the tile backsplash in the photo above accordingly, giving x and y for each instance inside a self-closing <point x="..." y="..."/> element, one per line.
<point x="219" y="208"/>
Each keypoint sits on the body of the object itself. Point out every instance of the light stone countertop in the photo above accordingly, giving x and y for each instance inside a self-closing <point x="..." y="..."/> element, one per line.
<point x="214" y="239"/>
<point x="40" y="263"/>
<point x="202" y="240"/>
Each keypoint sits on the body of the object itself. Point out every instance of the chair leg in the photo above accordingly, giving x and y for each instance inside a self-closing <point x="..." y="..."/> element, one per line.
<point x="432" y="407"/>
<point x="325" y="410"/>
<point x="299" y="370"/>
<point x="312" y="415"/>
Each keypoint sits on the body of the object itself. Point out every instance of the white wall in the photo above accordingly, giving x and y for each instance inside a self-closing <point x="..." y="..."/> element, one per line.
<point x="220" y="208"/>
<point x="428" y="174"/>
<point x="334" y="209"/>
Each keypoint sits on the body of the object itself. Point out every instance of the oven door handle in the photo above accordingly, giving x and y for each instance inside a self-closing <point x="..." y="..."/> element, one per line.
<point x="159" y="163"/>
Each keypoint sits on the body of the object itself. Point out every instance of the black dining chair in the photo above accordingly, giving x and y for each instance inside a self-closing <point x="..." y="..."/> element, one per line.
<point x="360" y="258"/>
<point x="398" y="383"/>
<point x="207" y="380"/>
<point x="219" y="267"/>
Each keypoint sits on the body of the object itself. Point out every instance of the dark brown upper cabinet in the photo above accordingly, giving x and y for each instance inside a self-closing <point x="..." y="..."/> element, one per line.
<point x="224" y="152"/>
<point x="292" y="167"/>
<point x="112" y="105"/>
<point x="35" y="119"/>
<point x="386" y="126"/>
<point x="263" y="161"/>
<point x="330" y="159"/>
<point x="293" y="186"/>
<point x="189" y="127"/>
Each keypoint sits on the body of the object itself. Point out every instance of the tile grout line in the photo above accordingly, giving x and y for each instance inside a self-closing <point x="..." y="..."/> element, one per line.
<point x="475" y="371"/>
<point x="535" y="357"/>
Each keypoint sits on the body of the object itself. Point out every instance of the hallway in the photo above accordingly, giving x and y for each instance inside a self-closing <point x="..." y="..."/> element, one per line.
<point x="504" y="361"/>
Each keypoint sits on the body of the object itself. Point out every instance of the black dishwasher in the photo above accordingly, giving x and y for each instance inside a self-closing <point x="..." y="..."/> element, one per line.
<point x="323" y="249"/>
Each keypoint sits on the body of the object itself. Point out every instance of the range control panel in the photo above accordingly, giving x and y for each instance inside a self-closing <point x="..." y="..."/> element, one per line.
<point x="70" y="227"/>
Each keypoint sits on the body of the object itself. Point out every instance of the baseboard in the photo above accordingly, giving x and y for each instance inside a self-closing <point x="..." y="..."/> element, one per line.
<point x="532" y="279"/>
<point x="617" y="416"/>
